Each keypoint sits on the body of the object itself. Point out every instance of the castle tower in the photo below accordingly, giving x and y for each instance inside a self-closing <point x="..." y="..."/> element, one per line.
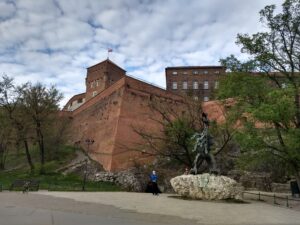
<point x="101" y="76"/>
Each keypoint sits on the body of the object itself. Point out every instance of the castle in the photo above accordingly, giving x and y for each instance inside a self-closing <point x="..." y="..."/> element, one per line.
<point x="102" y="118"/>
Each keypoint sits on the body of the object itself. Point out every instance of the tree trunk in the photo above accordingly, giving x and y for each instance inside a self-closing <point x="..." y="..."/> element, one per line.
<point x="298" y="178"/>
<point x="41" y="146"/>
<point x="1" y="157"/>
<point x="297" y="104"/>
<point x="28" y="156"/>
<point x="2" y="167"/>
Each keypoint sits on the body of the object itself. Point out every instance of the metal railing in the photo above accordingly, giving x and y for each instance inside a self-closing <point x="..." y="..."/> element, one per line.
<point x="284" y="200"/>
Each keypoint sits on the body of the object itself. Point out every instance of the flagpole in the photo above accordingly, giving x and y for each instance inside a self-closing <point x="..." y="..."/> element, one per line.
<point x="108" y="51"/>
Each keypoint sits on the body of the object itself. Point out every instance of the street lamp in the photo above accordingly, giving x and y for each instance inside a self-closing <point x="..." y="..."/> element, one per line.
<point x="84" y="175"/>
<point x="89" y="142"/>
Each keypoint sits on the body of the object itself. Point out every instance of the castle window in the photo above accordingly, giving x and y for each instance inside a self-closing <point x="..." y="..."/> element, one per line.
<point x="95" y="93"/>
<point x="216" y="84"/>
<point x="97" y="83"/>
<point x="206" y="98"/>
<point x="195" y="72"/>
<point x="174" y="85"/>
<point x="79" y="100"/>
<point x="185" y="85"/>
<point x="174" y="72"/>
<point x="205" y="72"/>
<point x="92" y="84"/>
<point x="196" y="98"/>
<point x="217" y="72"/>
<point x="185" y="73"/>
<point x="195" y="85"/>
<point x="205" y="85"/>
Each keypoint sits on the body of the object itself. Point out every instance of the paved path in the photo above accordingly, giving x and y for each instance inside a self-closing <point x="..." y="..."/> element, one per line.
<point x="203" y="212"/>
<point x="32" y="209"/>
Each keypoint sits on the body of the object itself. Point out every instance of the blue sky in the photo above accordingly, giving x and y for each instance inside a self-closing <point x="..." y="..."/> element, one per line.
<point x="54" y="41"/>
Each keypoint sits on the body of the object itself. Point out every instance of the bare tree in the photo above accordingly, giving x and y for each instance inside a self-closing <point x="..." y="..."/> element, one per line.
<point x="176" y="122"/>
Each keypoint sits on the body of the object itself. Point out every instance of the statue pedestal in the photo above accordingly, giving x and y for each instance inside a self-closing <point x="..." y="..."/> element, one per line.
<point x="207" y="187"/>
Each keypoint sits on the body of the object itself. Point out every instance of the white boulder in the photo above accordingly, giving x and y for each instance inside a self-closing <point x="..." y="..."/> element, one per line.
<point x="207" y="187"/>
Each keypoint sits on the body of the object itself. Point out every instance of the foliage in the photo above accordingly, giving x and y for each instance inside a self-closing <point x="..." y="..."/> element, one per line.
<point x="41" y="105"/>
<point x="267" y="113"/>
<point x="5" y="138"/>
<point x="34" y="120"/>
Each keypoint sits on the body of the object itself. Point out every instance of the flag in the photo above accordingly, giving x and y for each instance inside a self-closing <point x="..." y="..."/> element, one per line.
<point x="109" y="50"/>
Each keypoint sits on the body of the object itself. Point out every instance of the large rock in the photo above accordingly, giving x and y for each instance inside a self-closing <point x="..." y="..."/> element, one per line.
<point x="207" y="187"/>
<point x="129" y="180"/>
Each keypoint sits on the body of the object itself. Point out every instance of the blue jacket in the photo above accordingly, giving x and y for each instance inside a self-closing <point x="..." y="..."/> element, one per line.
<point x="153" y="177"/>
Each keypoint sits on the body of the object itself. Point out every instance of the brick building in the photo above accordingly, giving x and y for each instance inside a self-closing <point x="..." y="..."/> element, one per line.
<point x="199" y="82"/>
<point x="112" y="105"/>
<point x="107" y="112"/>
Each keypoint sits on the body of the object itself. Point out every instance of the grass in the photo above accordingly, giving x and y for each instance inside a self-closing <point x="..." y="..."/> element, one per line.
<point x="51" y="180"/>
<point x="56" y="181"/>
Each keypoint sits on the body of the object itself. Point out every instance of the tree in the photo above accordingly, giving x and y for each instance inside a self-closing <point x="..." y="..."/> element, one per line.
<point x="5" y="137"/>
<point x="278" y="50"/>
<point x="175" y="125"/>
<point x="41" y="105"/>
<point x="267" y="114"/>
<point x="11" y="106"/>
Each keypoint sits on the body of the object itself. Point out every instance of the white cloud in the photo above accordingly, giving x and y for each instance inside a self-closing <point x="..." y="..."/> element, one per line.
<point x="7" y="10"/>
<point x="54" y="41"/>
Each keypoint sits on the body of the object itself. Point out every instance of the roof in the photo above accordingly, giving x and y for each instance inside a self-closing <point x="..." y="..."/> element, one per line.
<point x="196" y="67"/>
<point x="108" y="61"/>
<point x="74" y="97"/>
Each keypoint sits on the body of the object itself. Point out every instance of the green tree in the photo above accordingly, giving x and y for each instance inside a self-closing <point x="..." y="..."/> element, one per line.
<point x="41" y="105"/>
<point x="11" y="106"/>
<point x="5" y="137"/>
<point x="268" y="115"/>
<point x="278" y="49"/>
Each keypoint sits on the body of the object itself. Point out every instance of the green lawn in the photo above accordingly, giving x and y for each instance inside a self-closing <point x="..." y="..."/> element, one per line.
<point x="56" y="182"/>
<point x="51" y="180"/>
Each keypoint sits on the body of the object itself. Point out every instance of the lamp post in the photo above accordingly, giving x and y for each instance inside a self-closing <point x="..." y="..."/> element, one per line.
<point x="84" y="175"/>
<point x="88" y="142"/>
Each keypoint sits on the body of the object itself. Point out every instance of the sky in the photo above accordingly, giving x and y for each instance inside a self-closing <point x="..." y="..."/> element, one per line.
<point x="54" y="41"/>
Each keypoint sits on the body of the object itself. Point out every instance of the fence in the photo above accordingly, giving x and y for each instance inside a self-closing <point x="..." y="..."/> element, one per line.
<point x="283" y="200"/>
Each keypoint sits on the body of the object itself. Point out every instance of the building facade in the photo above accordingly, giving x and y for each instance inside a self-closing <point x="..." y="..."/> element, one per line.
<point x="199" y="82"/>
<point x="107" y="113"/>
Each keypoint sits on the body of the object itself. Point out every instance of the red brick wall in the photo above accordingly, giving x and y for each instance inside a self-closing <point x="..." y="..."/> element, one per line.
<point x="135" y="114"/>
<point x="187" y="74"/>
<point x="103" y="75"/>
<point x="97" y="119"/>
